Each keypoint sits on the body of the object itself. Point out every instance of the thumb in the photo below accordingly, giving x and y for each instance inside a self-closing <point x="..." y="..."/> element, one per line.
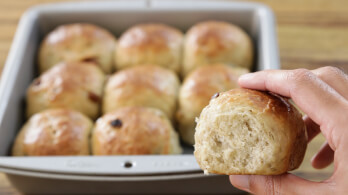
<point x="278" y="184"/>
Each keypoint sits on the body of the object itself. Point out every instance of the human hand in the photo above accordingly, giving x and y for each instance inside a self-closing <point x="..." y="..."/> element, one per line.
<point x="323" y="95"/>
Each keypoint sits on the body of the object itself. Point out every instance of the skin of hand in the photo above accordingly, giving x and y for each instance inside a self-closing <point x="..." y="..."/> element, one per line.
<point x="323" y="95"/>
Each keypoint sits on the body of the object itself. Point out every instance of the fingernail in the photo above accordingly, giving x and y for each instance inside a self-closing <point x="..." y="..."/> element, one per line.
<point x="246" y="76"/>
<point x="240" y="181"/>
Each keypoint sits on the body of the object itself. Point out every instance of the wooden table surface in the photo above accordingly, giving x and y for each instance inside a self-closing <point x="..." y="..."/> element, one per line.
<point x="311" y="34"/>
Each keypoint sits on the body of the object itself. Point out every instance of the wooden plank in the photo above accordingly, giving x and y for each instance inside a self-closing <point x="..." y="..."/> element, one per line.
<point x="311" y="34"/>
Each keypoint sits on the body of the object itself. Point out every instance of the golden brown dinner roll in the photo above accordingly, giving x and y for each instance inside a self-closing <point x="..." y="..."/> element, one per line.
<point x="54" y="132"/>
<point x="150" y="44"/>
<point x="216" y="42"/>
<point x="245" y="131"/>
<point x="146" y="85"/>
<point x="72" y="85"/>
<point x="134" y="130"/>
<point x="197" y="90"/>
<point x="78" y="42"/>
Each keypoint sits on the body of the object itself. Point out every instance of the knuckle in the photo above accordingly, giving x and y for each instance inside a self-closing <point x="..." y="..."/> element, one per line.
<point x="301" y="75"/>
<point x="330" y="70"/>
<point x="273" y="185"/>
<point x="265" y="185"/>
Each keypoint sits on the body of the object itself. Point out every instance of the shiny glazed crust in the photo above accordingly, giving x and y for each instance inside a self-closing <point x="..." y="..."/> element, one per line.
<point x="216" y="42"/>
<point x="75" y="43"/>
<point x="54" y="132"/>
<point x="150" y="44"/>
<point x="146" y="85"/>
<point x="134" y="130"/>
<point x="71" y="85"/>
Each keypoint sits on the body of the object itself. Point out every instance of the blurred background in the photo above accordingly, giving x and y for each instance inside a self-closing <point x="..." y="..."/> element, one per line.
<point x="311" y="34"/>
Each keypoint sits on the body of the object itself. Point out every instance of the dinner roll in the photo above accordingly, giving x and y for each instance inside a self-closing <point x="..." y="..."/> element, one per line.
<point x="146" y="85"/>
<point x="73" y="85"/>
<point x="197" y="90"/>
<point x="134" y="130"/>
<point x="216" y="42"/>
<point x="245" y="131"/>
<point x="78" y="42"/>
<point x="54" y="132"/>
<point x="150" y="44"/>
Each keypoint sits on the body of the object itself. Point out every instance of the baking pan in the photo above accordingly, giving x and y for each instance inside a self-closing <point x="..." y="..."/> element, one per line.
<point x="116" y="174"/>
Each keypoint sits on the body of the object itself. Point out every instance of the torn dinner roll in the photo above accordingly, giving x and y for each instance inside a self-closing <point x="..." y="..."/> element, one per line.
<point x="245" y="131"/>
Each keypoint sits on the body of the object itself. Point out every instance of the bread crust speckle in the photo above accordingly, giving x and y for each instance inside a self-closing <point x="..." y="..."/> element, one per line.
<point x="146" y="85"/>
<point x="54" y="132"/>
<point x="212" y="42"/>
<point x="79" y="42"/>
<point x="151" y="43"/>
<point x="143" y="131"/>
<point x="75" y="85"/>
<point x="197" y="90"/>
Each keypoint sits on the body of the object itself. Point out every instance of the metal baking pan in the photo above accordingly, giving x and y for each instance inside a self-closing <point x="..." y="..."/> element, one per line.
<point x="116" y="174"/>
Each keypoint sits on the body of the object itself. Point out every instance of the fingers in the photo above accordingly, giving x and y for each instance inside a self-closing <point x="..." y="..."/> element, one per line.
<point x="313" y="129"/>
<point x="335" y="78"/>
<point x="316" y="98"/>
<point x="324" y="157"/>
<point x="280" y="184"/>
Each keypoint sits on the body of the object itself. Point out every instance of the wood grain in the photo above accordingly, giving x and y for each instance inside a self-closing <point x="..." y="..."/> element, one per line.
<point x="5" y="186"/>
<point x="311" y="34"/>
